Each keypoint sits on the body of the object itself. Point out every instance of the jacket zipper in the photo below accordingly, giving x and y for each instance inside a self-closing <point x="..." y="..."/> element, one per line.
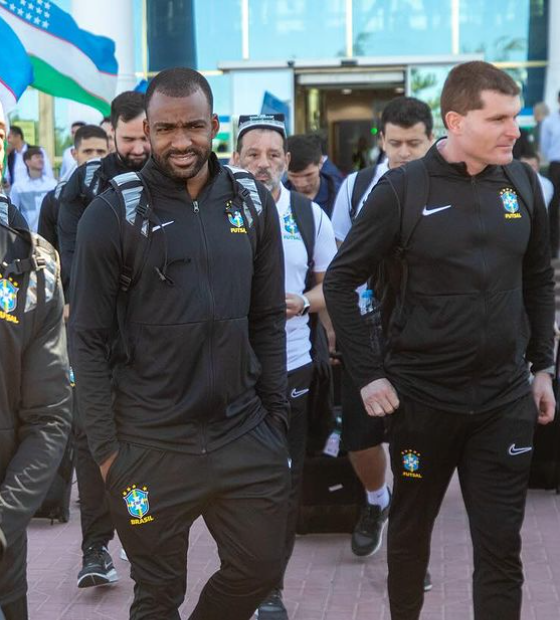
<point x="196" y="210"/>
<point x="484" y="282"/>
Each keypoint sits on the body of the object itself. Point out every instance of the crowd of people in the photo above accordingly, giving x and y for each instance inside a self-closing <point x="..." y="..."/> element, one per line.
<point x="193" y="293"/>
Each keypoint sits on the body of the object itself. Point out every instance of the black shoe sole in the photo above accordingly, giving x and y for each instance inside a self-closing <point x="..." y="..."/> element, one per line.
<point x="95" y="579"/>
<point x="368" y="552"/>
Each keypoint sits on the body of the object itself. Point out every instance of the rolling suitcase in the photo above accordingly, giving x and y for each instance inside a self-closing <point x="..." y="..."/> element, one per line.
<point x="331" y="496"/>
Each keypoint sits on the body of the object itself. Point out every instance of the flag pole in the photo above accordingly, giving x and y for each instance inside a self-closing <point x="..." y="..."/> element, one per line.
<point x="46" y="124"/>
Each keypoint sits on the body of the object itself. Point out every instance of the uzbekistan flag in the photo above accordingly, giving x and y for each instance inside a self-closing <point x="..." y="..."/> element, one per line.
<point x="68" y="62"/>
<point x="16" y="72"/>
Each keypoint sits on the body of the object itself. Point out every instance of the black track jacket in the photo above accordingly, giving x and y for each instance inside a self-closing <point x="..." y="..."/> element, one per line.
<point x="208" y="347"/>
<point x="35" y="410"/>
<point x="480" y="297"/>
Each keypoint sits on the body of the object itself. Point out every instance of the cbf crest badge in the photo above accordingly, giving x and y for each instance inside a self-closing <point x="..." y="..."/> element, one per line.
<point x="290" y="226"/>
<point x="8" y="300"/>
<point x="411" y="464"/>
<point x="510" y="203"/>
<point x="137" y="504"/>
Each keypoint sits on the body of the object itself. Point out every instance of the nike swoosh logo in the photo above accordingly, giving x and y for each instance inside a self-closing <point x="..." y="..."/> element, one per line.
<point x="297" y="393"/>
<point x="433" y="210"/>
<point x="513" y="451"/>
<point x="162" y="225"/>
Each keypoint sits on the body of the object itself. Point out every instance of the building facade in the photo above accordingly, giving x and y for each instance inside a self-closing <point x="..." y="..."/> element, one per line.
<point x="330" y="65"/>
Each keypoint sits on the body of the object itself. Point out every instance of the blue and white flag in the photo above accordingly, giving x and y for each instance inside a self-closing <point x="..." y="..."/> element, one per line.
<point x="16" y="71"/>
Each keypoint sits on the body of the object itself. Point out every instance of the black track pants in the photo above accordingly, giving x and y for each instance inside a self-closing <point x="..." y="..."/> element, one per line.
<point x="95" y="517"/>
<point x="240" y="490"/>
<point x="299" y="381"/>
<point x="17" y="610"/>
<point x="492" y="454"/>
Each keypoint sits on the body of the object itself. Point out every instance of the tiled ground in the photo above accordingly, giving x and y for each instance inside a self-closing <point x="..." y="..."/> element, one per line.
<point x="325" y="581"/>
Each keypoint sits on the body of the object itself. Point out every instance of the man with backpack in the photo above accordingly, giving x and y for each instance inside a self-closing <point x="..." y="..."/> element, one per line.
<point x="34" y="390"/>
<point x="406" y="135"/>
<point x="462" y="238"/>
<point x="132" y="150"/>
<point x="305" y="172"/>
<point x="309" y="246"/>
<point x="184" y="394"/>
<point x="90" y="142"/>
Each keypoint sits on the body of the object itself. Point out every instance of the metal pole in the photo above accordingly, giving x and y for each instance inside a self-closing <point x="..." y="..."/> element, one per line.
<point x="46" y="123"/>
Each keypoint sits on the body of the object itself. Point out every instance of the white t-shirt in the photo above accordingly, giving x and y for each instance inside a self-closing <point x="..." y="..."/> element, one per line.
<point x="20" y="169"/>
<point x="547" y="189"/>
<point x="68" y="164"/>
<point x="341" y="219"/>
<point x="295" y="264"/>
<point x="27" y="195"/>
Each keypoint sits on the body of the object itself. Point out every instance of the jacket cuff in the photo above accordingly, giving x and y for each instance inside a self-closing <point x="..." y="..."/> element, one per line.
<point x="102" y="454"/>
<point x="380" y="374"/>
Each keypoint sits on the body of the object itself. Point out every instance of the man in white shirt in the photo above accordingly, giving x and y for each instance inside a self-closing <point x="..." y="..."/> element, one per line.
<point x="406" y="134"/>
<point x="16" y="165"/>
<point x="261" y="149"/>
<point x="27" y="192"/>
<point x="531" y="157"/>
<point x="550" y="148"/>
<point x="68" y="160"/>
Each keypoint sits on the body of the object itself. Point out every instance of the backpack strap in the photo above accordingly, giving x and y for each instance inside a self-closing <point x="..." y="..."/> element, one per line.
<point x="39" y="272"/>
<point x="302" y="211"/>
<point x="361" y="183"/>
<point x="136" y="215"/>
<point x="58" y="189"/>
<point x="136" y="208"/>
<point x="4" y="210"/>
<point x="416" y="187"/>
<point x="523" y="179"/>
<point x="91" y="179"/>
<point x="247" y="201"/>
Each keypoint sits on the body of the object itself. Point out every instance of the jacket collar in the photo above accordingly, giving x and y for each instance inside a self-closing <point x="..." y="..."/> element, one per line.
<point x="438" y="165"/>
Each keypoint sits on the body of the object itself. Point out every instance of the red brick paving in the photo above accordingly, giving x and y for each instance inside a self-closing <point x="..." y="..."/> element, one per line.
<point x="324" y="582"/>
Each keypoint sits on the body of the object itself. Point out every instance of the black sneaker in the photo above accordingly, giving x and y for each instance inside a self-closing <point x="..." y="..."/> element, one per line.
<point x="97" y="568"/>
<point x="272" y="608"/>
<point x="367" y="536"/>
<point x="427" y="582"/>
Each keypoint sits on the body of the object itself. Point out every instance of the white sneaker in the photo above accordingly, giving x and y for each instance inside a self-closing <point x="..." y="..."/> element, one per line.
<point x="123" y="555"/>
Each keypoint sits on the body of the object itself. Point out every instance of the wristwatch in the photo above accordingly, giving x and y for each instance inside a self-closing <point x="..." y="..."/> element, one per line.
<point x="306" y="305"/>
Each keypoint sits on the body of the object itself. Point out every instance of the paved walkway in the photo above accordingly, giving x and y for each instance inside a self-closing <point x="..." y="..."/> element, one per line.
<point x="324" y="582"/>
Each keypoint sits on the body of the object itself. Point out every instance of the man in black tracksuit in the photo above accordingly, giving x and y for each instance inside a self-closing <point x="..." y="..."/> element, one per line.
<point x="193" y="421"/>
<point x="89" y="180"/>
<point x="34" y="391"/>
<point x="90" y="142"/>
<point x="476" y="307"/>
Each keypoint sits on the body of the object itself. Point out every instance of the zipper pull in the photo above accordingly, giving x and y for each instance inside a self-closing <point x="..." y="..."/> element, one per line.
<point x="195" y="206"/>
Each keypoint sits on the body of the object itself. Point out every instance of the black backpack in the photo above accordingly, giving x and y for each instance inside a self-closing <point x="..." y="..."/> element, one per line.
<point x="320" y="407"/>
<point x="363" y="179"/>
<point x="138" y="219"/>
<point x="39" y="270"/>
<point x="390" y="282"/>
